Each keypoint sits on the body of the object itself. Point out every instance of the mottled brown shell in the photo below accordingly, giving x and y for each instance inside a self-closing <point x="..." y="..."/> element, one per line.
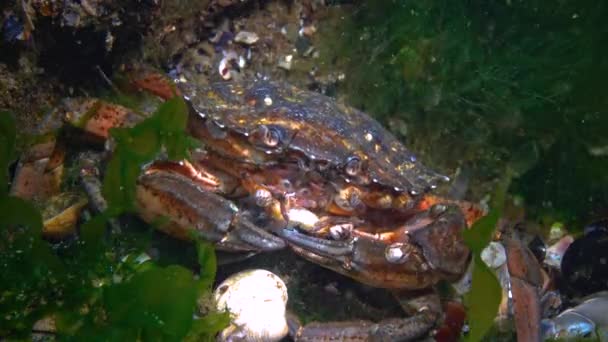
<point x="317" y="126"/>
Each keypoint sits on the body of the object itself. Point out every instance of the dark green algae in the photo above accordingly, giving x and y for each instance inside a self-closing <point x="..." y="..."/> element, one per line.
<point x="488" y="86"/>
<point x="102" y="285"/>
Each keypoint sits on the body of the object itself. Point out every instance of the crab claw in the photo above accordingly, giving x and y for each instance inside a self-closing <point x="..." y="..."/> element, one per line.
<point x="429" y="247"/>
<point x="182" y="207"/>
<point x="416" y="258"/>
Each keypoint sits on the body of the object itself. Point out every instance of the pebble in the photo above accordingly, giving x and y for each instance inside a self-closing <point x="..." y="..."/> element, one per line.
<point x="285" y="62"/>
<point x="256" y="300"/>
<point x="246" y="37"/>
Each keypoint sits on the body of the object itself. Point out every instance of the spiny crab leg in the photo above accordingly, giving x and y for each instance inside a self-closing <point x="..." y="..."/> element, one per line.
<point x="189" y="206"/>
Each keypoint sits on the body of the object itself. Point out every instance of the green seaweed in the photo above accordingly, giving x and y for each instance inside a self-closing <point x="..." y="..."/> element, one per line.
<point x="484" y="297"/>
<point x="102" y="287"/>
<point x="8" y="137"/>
<point x="141" y="306"/>
<point x="139" y="145"/>
<point x="489" y="84"/>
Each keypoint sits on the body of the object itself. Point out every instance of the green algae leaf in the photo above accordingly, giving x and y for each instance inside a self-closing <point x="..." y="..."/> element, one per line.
<point x="208" y="265"/>
<point x="8" y="136"/>
<point x="85" y="285"/>
<point x="173" y="118"/>
<point x="173" y="115"/>
<point x="119" y="183"/>
<point x="92" y="234"/>
<point x="178" y="144"/>
<point x="206" y="327"/>
<point x="482" y="300"/>
<point x="142" y="142"/>
<point x="480" y="234"/>
<point x="158" y="301"/>
<point x="485" y="295"/>
<point x="28" y="268"/>
<point x="16" y="211"/>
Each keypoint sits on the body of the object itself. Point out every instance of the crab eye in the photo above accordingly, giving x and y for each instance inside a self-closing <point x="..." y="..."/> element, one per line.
<point x="266" y="136"/>
<point x="272" y="137"/>
<point x="353" y="166"/>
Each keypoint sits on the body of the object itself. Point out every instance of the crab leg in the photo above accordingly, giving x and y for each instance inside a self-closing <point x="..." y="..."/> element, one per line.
<point x="189" y="208"/>
<point x="427" y="306"/>
<point x="526" y="282"/>
<point x="89" y="178"/>
<point x="328" y="248"/>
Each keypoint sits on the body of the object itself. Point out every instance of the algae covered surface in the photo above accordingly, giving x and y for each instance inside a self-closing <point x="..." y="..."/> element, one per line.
<point x="487" y="86"/>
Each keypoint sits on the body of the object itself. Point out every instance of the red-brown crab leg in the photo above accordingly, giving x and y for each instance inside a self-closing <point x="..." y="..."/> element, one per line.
<point x="188" y="207"/>
<point x="426" y="306"/>
<point x="525" y="283"/>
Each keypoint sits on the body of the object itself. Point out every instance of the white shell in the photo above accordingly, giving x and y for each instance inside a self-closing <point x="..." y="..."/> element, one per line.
<point x="494" y="255"/>
<point x="285" y="62"/>
<point x="256" y="300"/>
<point x="246" y="37"/>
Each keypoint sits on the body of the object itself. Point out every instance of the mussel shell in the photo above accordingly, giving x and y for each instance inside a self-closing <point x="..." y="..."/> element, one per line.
<point x="61" y="215"/>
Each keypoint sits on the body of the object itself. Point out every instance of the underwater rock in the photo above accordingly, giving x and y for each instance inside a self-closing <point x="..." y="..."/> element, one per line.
<point x="585" y="264"/>
<point x="285" y="62"/>
<point x="256" y="300"/>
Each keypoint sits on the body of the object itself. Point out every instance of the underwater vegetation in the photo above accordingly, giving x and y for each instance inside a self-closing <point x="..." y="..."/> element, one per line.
<point x="510" y="92"/>
<point x="489" y="86"/>
<point x="102" y="285"/>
